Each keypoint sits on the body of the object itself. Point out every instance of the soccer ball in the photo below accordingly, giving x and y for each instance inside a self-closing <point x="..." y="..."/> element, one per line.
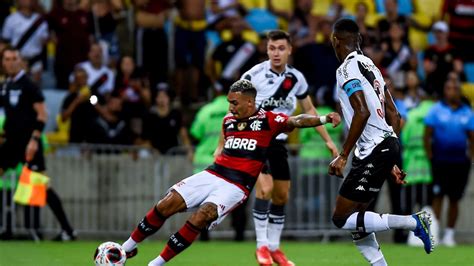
<point x="110" y="254"/>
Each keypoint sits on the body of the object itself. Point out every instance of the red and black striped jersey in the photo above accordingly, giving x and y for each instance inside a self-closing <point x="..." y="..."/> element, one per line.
<point x="245" y="146"/>
<point x="461" y="19"/>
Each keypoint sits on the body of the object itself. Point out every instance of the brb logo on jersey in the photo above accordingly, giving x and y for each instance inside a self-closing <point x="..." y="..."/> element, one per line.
<point x="240" y="144"/>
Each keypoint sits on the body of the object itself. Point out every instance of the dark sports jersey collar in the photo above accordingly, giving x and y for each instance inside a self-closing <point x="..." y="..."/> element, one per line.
<point x="250" y="117"/>
<point x="353" y="54"/>
<point x="16" y="77"/>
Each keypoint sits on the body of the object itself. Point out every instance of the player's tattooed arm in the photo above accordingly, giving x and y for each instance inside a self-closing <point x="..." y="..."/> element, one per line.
<point x="305" y="120"/>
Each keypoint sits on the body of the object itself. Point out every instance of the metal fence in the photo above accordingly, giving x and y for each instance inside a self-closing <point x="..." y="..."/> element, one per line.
<point x="106" y="190"/>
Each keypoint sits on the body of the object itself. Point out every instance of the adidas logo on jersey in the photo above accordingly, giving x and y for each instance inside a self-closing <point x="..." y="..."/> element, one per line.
<point x="230" y="126"/>
<point x="272" y="103"/>
<point x="240" y="143"/>
<point x="360" y="188"/>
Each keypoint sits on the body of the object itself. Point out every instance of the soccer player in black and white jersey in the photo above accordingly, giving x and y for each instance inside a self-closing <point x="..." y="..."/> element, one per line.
<point x="280" y="87"/>
<point x="373" y="122"/>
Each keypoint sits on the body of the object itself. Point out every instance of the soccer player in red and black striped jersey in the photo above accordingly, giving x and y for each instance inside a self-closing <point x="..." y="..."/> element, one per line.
<point x="216" y="191"/>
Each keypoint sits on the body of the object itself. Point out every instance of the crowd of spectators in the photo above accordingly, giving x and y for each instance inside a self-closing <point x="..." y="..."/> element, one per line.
<point x="115" y="57"/>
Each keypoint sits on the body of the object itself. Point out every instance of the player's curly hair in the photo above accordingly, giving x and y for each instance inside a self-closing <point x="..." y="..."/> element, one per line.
<point x="244" y="86"/>
<point x="346" y="25"/>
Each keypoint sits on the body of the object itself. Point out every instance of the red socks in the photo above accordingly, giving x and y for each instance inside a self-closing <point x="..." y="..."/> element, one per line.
<point x="148" y="225"/>
<point x="180" y="241"/>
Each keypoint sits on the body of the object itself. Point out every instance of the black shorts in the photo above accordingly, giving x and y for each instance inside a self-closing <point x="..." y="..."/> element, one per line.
<point x="277" y="161"/>
<point x="12" y="152"/>
<point x="367" y="176"/>
<point x="450" y="179"/>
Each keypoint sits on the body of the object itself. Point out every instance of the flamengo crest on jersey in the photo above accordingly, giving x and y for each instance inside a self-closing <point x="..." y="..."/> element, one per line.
<point x="245" y="146"/>
<point x="358" y="72"/>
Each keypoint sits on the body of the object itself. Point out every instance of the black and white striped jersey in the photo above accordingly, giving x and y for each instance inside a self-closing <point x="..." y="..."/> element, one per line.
<point x="277" y="92"/>
<point x="358" y="73"/>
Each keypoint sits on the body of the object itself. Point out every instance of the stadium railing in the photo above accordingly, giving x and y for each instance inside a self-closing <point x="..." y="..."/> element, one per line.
<point x="107" y="189"/>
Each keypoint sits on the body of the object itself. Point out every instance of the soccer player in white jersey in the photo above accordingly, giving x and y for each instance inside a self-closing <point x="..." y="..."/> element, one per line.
<point x="373" y="122"/>
<point x="279" y="89"/>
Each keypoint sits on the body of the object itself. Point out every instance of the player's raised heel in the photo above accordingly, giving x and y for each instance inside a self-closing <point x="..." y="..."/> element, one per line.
<point x="132" y="253"/>
<point x="423" y="230"/>
<point x="279" y="258"/>
<point x="264" y="258"/>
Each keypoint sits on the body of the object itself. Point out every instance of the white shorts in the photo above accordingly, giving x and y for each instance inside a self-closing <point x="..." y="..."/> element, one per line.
<point x="205" y="187"/>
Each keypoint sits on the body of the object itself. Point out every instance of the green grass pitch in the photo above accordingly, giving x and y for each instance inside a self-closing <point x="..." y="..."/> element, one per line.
<point x="216" y="253"/>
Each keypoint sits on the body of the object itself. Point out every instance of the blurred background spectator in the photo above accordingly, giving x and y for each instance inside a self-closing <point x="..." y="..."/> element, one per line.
<point x="100" y="78"/>
<point x="103" y="17"/>
<point x="110" y="126"/>
<point x="27" y="30"/>
<point x="134" y="89"/>
<point x="163" y="126"/>
<point x="449" y="138"/>
<point x="70" y="32"/>
<point x="440" y="59"/>
<point x="77" y="111"/>
<point x="151" y="40"/>
<point x="189" y="48"/>
<point x="460" y="17"/>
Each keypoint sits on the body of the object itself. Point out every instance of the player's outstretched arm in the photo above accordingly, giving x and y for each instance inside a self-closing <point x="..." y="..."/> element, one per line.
<point x="305" y="120"/>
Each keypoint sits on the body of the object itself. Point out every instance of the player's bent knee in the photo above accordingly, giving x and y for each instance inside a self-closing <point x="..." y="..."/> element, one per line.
<point x="280" y="197"/>
<point x="263" y="194"/>
<point x="171" y="204"/>
<point x="339" y="221"/>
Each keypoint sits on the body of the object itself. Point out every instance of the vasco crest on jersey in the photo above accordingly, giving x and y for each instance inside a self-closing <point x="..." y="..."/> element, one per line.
<point x="289" y="82"/>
